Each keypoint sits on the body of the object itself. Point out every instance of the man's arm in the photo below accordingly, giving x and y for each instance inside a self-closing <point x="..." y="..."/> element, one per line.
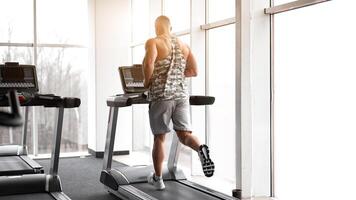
<point x="149" y="61"/>
<point x="191" y="69"/>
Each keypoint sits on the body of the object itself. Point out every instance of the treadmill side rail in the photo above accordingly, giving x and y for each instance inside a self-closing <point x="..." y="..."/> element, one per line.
<point x="129" y="192"/>
<point x="59" y="196"/>
<point x="207" y="190"/>
<point x="136" y="192"/>
<point x="37" y="168"/>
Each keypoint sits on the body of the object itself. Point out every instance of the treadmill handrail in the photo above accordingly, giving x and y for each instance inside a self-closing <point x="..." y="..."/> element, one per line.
<point x="124" y="100"/>
<point x="45" y="100"/>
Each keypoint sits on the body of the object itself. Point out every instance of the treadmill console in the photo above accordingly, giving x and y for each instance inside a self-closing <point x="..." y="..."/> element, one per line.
<point x="132" y="79"/>
<point x="133" y="76"/>
<point x="21" y="78"/>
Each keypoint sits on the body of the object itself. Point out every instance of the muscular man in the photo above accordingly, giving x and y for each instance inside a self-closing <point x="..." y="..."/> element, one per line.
<point x="166" y="64"/>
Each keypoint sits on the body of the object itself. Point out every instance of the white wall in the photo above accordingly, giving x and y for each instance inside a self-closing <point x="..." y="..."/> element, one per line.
<point x="112" y="39"/>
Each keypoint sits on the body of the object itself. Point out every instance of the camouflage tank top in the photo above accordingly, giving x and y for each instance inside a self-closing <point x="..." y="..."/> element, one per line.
<point x="168" y="81"/>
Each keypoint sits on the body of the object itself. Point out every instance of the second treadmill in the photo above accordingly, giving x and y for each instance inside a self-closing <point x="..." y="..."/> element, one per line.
<point x="48" y="186"/>
<point x="14" y="159"/>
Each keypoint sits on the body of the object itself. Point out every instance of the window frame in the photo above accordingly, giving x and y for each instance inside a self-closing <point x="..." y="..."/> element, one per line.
<point x="291" y="6"/>
<point x="271" y="11"/>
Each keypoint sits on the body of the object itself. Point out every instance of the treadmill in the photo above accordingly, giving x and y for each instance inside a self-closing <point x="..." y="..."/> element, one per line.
<point x="131" y="182"/>
<point x="13" y="158"/>
<point x="47" y="186"/>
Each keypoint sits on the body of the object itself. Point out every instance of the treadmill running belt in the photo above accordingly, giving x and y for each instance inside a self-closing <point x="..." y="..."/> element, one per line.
<point x="173" y="191"/>
<point x="13" y="165"/>
<point x="33" y="196"/>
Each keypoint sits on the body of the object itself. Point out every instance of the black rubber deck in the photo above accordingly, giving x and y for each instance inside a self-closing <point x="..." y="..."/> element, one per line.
<point x="174" y="191"/>
<point x="13" y="165"/>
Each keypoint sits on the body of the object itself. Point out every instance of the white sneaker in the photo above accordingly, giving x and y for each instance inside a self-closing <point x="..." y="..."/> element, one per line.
<point x="158" y="184"/>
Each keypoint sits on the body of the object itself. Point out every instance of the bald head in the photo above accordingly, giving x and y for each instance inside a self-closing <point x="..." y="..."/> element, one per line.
<point x="163" y="25"/>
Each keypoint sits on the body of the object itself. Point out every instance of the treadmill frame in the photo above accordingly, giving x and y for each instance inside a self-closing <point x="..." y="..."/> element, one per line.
<point x="118" y="183"/>
<point x="38" y="183"/>
<point x="21" y="152"/>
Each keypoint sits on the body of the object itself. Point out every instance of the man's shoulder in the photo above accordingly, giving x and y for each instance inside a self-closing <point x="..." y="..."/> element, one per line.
<point x="150" y="43"/>
<point x="151" y="40"/>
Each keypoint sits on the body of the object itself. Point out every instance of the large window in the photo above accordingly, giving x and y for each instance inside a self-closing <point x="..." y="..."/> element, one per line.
<point x="315" y="102"/>
<point x="222" y="86"/>
<point x="141" y="134"/>
<point x="140" y="20"/>
<point x="58" y="49"/>
<point x="220" y="83"/>
<point x="138" y="53"/>
<point x="19" y="54"/>
<point x="15" y="27"/>
<point x="179" y="14"/>
<point x="219" y="11"/>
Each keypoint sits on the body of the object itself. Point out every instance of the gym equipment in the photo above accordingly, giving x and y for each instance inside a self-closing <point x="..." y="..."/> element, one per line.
<point x="16" y="78"/>
<point x="47" y="184"/>
<point x="131" y="182"/>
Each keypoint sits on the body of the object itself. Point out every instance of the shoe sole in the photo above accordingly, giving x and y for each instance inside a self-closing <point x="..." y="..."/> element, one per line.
<point x="208" y="168"/>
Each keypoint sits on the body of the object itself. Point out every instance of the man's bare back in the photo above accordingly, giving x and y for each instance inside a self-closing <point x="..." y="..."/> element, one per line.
<point x="159" y="48"/>
<point x="164" y="47"/>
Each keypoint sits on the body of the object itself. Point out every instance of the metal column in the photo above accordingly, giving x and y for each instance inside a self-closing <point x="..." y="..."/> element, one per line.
<point x="110" y="138"/>
<point x="56" y="143"/>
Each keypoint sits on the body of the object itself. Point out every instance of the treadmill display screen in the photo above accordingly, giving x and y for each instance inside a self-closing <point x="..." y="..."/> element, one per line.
<point x="133" y="77"/>
<point x="21" y="78"/>
<point x="13" y="74"/>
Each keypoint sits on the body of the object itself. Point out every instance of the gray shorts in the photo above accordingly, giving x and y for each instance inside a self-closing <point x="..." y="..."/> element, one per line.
<point x="161" y="113"/>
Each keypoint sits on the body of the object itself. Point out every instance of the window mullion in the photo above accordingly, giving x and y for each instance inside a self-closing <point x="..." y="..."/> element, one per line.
<point x="34" y="124"/>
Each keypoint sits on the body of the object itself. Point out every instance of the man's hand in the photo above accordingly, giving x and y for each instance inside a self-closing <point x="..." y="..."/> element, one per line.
<point x="149" y="61"/>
